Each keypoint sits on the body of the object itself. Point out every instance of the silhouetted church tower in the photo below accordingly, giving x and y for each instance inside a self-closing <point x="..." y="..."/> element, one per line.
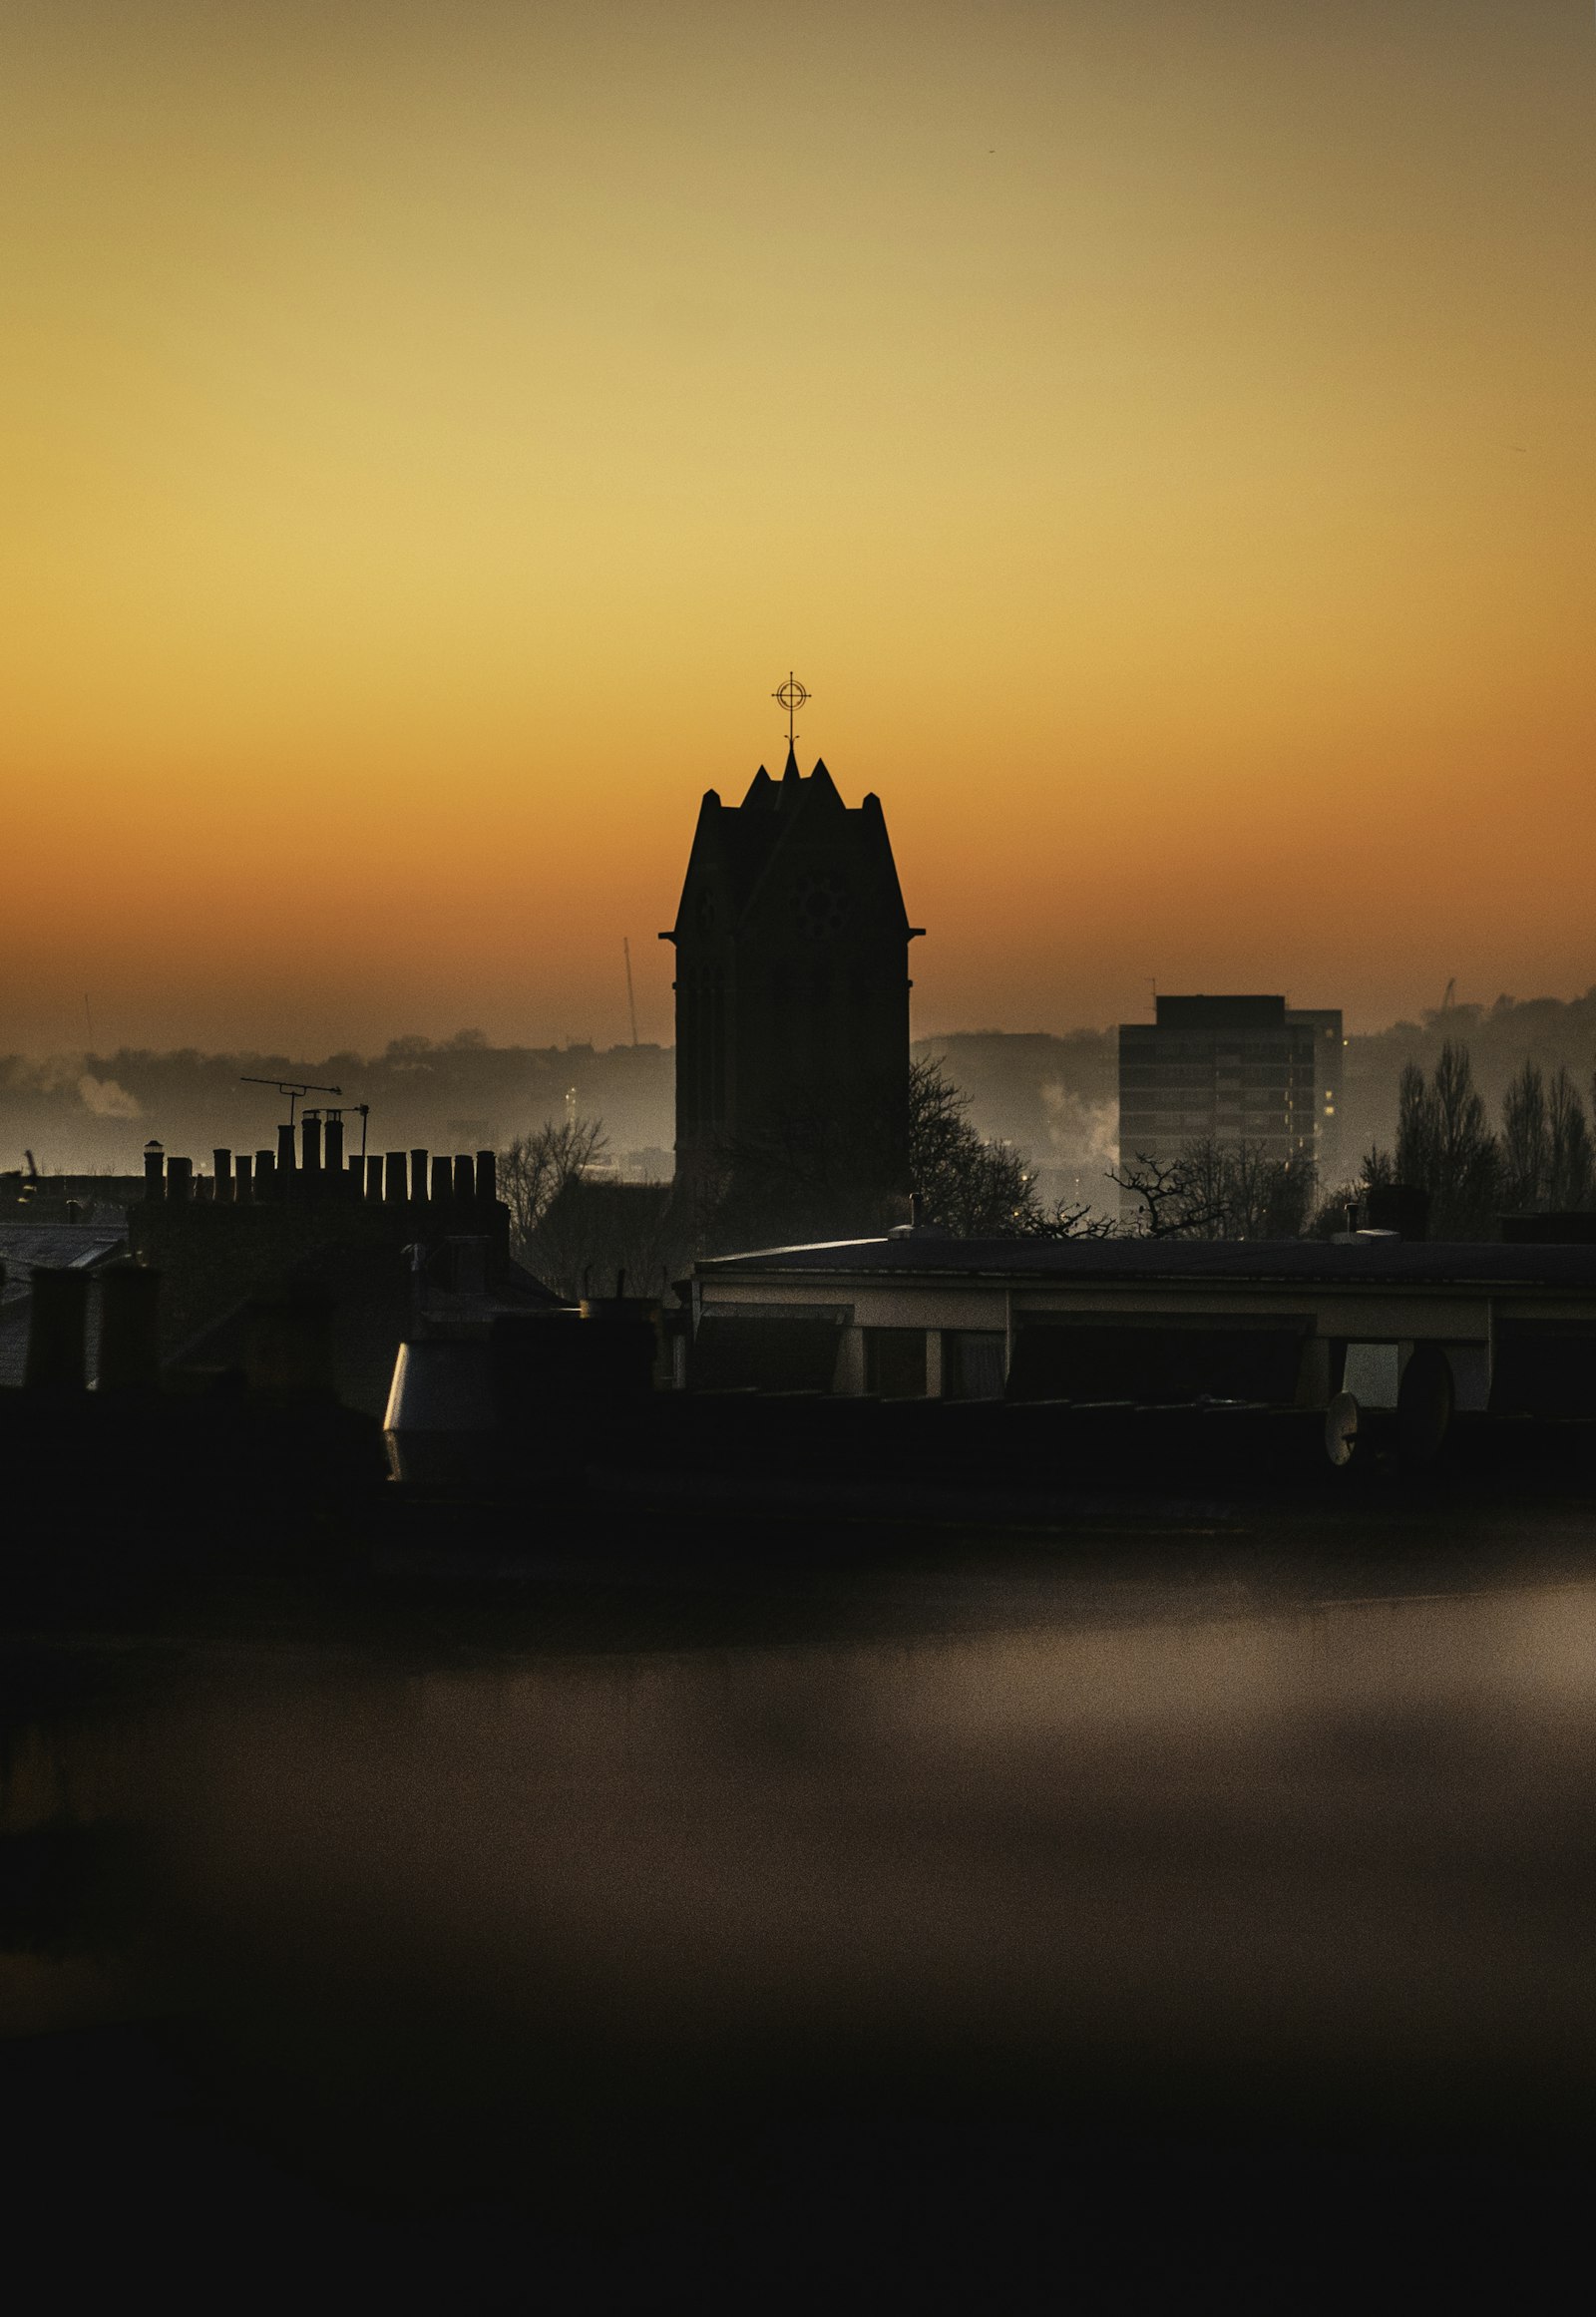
<point x="792" y="978"/>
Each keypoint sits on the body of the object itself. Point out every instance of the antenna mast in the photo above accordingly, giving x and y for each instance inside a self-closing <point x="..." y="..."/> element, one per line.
<point x="292" y="1087"/>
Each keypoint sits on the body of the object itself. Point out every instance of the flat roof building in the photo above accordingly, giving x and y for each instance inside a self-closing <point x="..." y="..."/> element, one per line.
<point x="1230" y="1070"/>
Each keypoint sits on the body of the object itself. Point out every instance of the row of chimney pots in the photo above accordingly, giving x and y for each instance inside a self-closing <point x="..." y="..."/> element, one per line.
<point x="241" y="1178"/>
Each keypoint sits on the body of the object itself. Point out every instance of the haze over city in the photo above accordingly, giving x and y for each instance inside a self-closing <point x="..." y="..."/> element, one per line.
<point x="1160" y="435"/>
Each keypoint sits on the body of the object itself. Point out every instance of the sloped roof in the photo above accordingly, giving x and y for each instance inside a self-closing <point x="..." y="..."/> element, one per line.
<point x="23" y="1245"/>
<point x="78" y="1248"/>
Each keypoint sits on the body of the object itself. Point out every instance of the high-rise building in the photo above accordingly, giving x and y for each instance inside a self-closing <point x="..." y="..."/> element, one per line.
<point x="1233" y="1070"/>
<point x="792" y="981"/>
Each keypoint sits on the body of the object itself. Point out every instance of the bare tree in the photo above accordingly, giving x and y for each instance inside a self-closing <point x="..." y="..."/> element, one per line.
<point x="1218" y="1189"/>
<point x="975" y="1188"/>
<point x="1064" y="1221"/>
<point x="1178" y="1200"/>
<point x="537" y="1167"/>
<point x="979" y="1190"/>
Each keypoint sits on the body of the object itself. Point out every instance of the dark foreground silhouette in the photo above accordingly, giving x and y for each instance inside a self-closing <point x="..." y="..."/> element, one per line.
<point x="1183" y="1906"/>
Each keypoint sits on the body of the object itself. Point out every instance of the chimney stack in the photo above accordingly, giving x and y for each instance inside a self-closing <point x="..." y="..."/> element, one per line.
<point x="57" y="1329"/>
<point x="129" y="1358"/>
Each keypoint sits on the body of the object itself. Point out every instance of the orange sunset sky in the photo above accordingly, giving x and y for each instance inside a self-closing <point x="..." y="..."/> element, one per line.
<point x="1159" y="431"/>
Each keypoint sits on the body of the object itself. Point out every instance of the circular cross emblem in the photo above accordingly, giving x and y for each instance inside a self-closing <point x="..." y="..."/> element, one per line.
<point x="792" y="696"/>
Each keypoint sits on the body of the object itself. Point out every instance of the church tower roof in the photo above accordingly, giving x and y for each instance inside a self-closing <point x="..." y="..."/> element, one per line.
<point x="795" y="827"/>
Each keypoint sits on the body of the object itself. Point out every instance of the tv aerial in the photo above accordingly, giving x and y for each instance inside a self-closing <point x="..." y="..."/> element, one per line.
<point x="292" y="1087"/>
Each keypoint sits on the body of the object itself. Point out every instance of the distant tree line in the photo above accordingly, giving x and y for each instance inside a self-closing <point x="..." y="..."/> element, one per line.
<point x="822" y="1176"/>
<point x="1542" y="1160"/>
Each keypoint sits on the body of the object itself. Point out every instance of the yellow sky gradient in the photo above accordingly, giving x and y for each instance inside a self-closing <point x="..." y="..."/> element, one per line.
<point x="1160" y="431"/>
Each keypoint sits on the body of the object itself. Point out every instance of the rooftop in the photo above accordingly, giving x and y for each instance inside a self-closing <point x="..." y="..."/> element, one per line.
<point x="1312" y="1262"/>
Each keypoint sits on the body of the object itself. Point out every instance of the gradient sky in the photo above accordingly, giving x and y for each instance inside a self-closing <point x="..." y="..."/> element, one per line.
<point x="1159" y="431"/>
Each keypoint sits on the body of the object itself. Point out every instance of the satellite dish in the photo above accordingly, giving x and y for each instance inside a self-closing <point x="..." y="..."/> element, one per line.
<point x="1341" y="1430"/>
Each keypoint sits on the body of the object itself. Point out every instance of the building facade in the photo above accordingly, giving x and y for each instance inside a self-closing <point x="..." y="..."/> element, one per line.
<point x="792" y="982"/>
<point x="1230" y="1070"/>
